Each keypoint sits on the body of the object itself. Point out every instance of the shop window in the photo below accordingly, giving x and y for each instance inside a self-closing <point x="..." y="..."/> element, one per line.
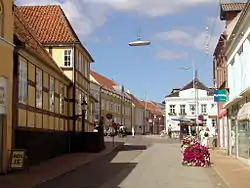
<point x="23" y="82"/>
<point x="39" y="88"/>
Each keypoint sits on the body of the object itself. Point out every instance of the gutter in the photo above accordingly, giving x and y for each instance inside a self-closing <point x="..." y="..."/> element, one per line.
<point x="7" y="42"/>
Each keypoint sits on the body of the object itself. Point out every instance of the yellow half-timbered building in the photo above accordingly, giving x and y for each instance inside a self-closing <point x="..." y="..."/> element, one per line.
<point x="59" y="39"/>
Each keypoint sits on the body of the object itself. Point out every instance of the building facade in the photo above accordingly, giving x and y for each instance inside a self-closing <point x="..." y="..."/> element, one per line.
<point x="95" y="90"/>
<point x="114" y="100"/>
<point x="229" y="12"/>
<point x="183" y="103"/>
<point x="6" y="81"/>
<point x="238" y="69"/>
<point x="62" y="43"/>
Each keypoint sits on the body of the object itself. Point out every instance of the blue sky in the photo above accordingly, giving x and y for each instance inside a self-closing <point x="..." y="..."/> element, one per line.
<point x="176" y="30"/>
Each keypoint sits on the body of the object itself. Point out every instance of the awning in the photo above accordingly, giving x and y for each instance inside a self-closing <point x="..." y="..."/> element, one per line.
<point x="244" y="112"/>
<point x="245" y="92"/>
<point x="222" y="113"/>
<point x="230" y="103"/>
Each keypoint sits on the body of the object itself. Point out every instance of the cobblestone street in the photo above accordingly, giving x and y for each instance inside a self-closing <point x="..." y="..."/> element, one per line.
<point x="140" y="163"/>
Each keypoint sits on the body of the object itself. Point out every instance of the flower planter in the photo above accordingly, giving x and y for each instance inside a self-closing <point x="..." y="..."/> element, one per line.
<point x="194" y="154"/>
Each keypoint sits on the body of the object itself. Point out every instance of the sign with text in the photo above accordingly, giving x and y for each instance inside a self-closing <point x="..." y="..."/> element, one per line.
<point x="220" y="95"/>
<point x="18" y="158"/>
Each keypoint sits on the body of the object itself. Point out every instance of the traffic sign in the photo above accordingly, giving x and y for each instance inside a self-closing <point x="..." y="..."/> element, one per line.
<point x="220" y="95"/>
<point x="109" y="116"/>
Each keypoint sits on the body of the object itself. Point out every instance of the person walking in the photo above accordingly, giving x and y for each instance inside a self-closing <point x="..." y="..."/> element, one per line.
<point x="205" y="138"/>
<point x="133" y="131"/>
<point x="170" y="131"/>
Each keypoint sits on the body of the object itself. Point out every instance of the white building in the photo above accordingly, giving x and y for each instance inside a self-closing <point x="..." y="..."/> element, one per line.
<point x="238" y="69"/>
<point x="183" y="103"/>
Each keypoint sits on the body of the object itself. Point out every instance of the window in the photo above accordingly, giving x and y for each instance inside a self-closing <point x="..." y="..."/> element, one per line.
<point x="118" y="108"/>
<point x="103" y="104"/>
<point x="86" y="68"/>
<point x="86" y="113"/>
<point x="39" y="88"/>
<point x="183" y="109"/>
<point x="204" y="122"/>
<point x="107" y="105"/>
<point x="67" y="57"/>
<point x="213" y="122"/>
<point x="212" y="105"/>
<point x="111" y="106"/>
<point x="80" y="103"/>
<point x="23" y="83"/>
<point x="61" y="99"/>
<point x="192" y="107"/>
<point x="1" y="19"/>
<point x="51" y="94"/>
<point x="80" y="62"/>
<point x="172" y="109"/>
<point x="203" y="108"/>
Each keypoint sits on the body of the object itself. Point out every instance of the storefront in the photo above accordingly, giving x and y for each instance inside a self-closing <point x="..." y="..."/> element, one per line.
<point x="243" y="131"/>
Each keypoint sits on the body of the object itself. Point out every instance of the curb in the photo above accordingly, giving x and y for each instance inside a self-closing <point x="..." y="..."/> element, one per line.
<point x="72" y="170"/>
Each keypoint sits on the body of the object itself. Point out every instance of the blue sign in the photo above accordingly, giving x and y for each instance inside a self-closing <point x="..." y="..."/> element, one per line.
<point x="220" y="95"/>
<point x="109" y="116"/>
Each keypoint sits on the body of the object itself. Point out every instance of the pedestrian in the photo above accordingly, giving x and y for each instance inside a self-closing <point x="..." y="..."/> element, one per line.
<point x="133" y="131"/>
<point x="205" y="138"/>
<point x="170" y="131"/>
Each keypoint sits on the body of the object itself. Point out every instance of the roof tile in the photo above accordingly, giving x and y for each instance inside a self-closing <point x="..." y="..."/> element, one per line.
<point x="136" y="101"/>
<point x="237" y="6"/>
<point x="49" y="23"/>
<point x="24" y="33"/>
<point x="102" y="80"/>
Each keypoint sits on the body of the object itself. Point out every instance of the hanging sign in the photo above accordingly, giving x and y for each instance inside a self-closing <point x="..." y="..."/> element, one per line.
<point x="220" y="95"/>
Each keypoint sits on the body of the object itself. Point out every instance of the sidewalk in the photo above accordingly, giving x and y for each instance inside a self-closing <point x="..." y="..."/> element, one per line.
<point x="235" y="173"/>
<point x="52" y="168"/>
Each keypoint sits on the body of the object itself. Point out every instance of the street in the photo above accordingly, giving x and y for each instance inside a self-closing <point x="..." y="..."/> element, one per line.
<point x="142" y="162"/>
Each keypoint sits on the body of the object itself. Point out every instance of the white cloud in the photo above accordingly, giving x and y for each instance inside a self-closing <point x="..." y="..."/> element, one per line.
<point x="88" y="15"/>
<point x="171" y="55"/>
<point x="195" y="38"/>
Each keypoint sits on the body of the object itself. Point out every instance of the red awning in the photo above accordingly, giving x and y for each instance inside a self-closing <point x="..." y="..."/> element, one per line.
<point x="222" y="113"/>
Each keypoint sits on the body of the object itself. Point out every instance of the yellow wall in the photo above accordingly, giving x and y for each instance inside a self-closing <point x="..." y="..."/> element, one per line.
<point x="43" y="118"/>
<point x="6" y="54"/>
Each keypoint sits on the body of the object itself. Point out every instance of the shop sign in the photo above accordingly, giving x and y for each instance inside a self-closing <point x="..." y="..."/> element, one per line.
<point x="220" y="95"/>
<point x="18" y="158"/>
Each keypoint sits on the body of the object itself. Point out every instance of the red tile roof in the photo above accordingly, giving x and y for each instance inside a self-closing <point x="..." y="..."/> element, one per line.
<point x="151" y="107"/>
<point x="102" y="80"/>
<point x="136" y="102"/>
<point x="51" y="25"/>
<point x="23" y="33"/>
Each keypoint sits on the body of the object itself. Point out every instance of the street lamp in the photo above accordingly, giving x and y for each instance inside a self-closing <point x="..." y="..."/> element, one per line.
<point x="84" y="109"/>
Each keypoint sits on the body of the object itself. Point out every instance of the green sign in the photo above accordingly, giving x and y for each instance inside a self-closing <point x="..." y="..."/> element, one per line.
<point x="220" y="95"/>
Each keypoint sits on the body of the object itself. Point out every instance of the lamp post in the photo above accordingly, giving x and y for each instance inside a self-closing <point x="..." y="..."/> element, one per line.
<point x="84" y="109"/>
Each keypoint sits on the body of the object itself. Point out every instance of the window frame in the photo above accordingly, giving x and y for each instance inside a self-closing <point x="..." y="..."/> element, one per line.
<point x="182" y="109"/>
<point x="23" y="82"/>
<point x="70" y="56"/>
<point x="51" y="94"/>
<point x="204" y="108"/>
<point x="39" y="88"/>
<point x="61" y="102"/>
<point x="172" y="109"/>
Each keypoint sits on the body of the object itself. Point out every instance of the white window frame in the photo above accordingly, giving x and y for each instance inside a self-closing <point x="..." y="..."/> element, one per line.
<point x="172" y="109"/>
<point x="23" y="82"/>
<point x="69" y="55"/>
<point x="86" y="68"/>
<point x="182" y="109"/>
<point x="61" y="104"/>
<point x="204" y="108"/>
<point x="51" y="94"/>
<point x="39" y="88"/>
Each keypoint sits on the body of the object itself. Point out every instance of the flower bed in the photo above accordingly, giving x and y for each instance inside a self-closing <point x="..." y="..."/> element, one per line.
<point x="194" y="154"/>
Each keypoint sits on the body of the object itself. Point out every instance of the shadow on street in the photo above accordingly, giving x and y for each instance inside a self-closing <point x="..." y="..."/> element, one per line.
<point x="96" y="173"/>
